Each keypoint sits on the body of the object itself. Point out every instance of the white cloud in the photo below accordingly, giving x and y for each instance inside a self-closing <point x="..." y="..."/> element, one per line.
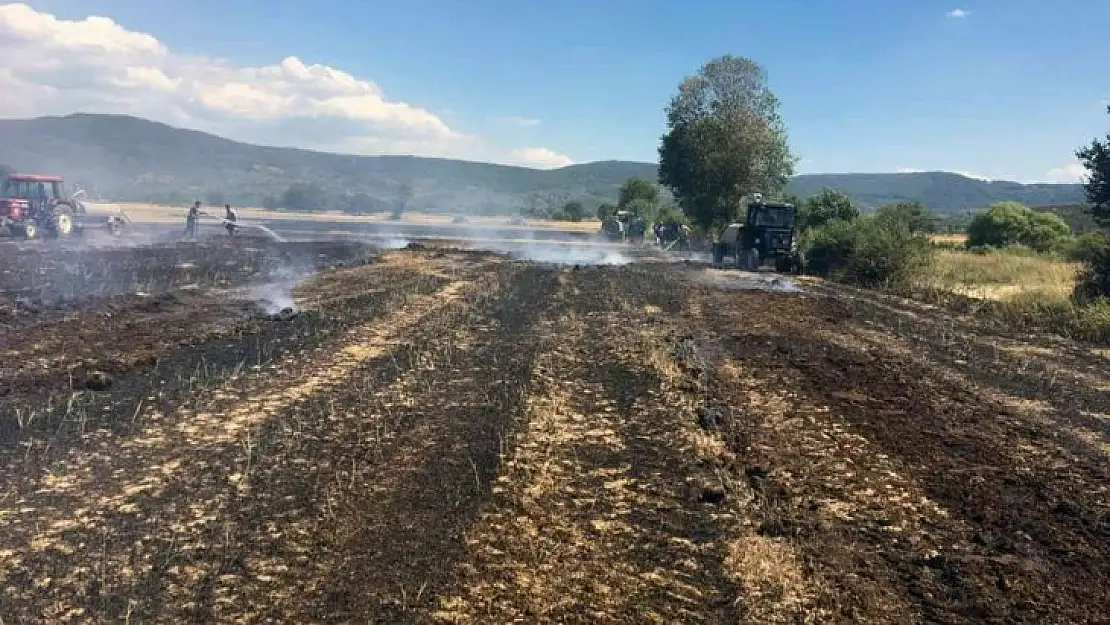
<point x="524" y="122"/>
<point x="958" y="13"/>
<point x="1072" y="172"/>
<point x="539" y="157"/>
<point x="54" y="67"/>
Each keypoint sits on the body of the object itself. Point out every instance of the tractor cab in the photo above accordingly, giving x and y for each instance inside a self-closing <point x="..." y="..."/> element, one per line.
<point x="767" y="233"/>
<point x="29" y="202"/>
<point x="772" y="227"/>
<point x="32" y="187"/>
<point x="615" y="226"/>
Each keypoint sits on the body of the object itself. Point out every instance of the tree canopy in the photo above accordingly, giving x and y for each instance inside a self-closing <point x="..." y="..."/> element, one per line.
<point x="913" y="214"/>
<point x="1096" y="158"/>
<point x="1010" y="223"/>
<point x="605" y="210"/>
<point x="725" y="140"/>
<point x="574" y="210"/>
<point x="637" y="188"/>
<point x="827" y="206"/>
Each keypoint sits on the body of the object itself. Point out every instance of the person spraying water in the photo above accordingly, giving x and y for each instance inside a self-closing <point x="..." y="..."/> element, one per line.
<point x="191" y="219"/>
<point x="231" y="219"/>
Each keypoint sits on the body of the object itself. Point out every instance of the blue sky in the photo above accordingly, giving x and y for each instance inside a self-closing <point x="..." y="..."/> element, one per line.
<point x="1002" y="88"/>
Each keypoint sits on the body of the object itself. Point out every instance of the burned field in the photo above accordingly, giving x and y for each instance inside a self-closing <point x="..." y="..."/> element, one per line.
<point x="455" y="436"/>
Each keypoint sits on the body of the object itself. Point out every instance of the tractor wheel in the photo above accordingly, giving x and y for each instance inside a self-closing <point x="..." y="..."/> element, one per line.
<point x="751" y="260"/>
<point x="29" y="230"/>
<point x="798" y="263"/>
<point x="718" y="253"/>
<point x="784" y="264"/>
<point x="61" y="224"/>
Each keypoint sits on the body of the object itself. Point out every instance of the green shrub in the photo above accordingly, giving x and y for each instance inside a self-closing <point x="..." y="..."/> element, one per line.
<point x="827" y="206"/>
<point x="1093" y="282"/>
<point x="867" y="251"/>
<point x="1009" y="223"/>
<point x="1085" y="247"/>
<point x="914" y="214"/>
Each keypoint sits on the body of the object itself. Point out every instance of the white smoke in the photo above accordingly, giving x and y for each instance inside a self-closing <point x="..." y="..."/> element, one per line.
<point x="393" y="243"/>
<point x="569" y="254"/>
<point x="273" y="297"/>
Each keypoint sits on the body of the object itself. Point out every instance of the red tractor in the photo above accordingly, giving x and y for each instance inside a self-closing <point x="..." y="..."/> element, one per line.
<point x="31" y="204"/>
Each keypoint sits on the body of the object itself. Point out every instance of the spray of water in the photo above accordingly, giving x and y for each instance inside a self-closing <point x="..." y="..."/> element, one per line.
<point x="275" y="236"/>
<point x="255" y="226"/>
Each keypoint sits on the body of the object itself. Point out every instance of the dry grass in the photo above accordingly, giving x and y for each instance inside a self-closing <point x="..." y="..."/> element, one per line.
<point x="952" y="238"/>
<point x="1017" y="291"/>
<point x="1001" y="276"/>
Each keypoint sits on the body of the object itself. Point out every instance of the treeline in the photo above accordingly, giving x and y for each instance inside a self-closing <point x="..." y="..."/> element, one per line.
<point x="299" y="196"/>
<point x="725" y="140"/>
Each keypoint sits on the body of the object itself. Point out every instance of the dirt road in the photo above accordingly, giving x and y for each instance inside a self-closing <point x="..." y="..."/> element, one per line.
<point x="456" y="437"/>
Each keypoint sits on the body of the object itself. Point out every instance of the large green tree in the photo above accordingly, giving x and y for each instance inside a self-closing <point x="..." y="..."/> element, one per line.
<point x="913" y="214"/>
<point x="636" y="188"/>
<point x="574" y="211"/>
<point x="827" y="206"/>
<point x="725" y="140"/>
<point x="1096" y="158"/>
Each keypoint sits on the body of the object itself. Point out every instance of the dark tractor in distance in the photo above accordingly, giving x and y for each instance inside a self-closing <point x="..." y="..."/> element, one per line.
<point x="624" y="226"/>
<point x="767" y="233"/>
<point x="31" y="204"/>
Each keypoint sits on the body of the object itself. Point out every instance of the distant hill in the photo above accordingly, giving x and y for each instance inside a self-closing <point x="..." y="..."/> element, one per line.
<point x="127" y="158"/>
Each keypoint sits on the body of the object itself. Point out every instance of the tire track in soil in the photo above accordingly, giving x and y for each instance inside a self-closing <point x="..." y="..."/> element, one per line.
<point x="400" y="526"/>
<point x="597" y="516"/>
<point x="158" y="370"/>
<point x="280" y="545"/>
<point x="80" y="507"/>
<point x="883" y="472"/>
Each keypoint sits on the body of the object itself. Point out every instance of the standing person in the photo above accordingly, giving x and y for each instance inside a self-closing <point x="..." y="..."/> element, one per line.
<point x="191" y="220"/>
<point x="230" y="217"/>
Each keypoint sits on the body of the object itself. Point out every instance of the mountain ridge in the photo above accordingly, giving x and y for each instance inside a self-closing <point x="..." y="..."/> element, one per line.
<point x="130" y="158"/>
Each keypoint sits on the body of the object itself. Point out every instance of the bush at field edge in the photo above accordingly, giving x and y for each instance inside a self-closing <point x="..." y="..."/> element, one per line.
<point x="867" y="251"/>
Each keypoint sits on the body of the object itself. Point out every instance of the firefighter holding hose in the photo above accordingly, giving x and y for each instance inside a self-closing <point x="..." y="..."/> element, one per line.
<point x="191" y="220"/>
<point x="230" y="219"/>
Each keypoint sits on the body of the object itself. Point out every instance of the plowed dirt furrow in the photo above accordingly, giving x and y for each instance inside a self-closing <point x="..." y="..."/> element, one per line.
<point x="910" y="493"/>
<point x="161" y="359"/>
<point x="600" y="514"/>
<point x="66" y="513"/>
<point x="297" y="518"/>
